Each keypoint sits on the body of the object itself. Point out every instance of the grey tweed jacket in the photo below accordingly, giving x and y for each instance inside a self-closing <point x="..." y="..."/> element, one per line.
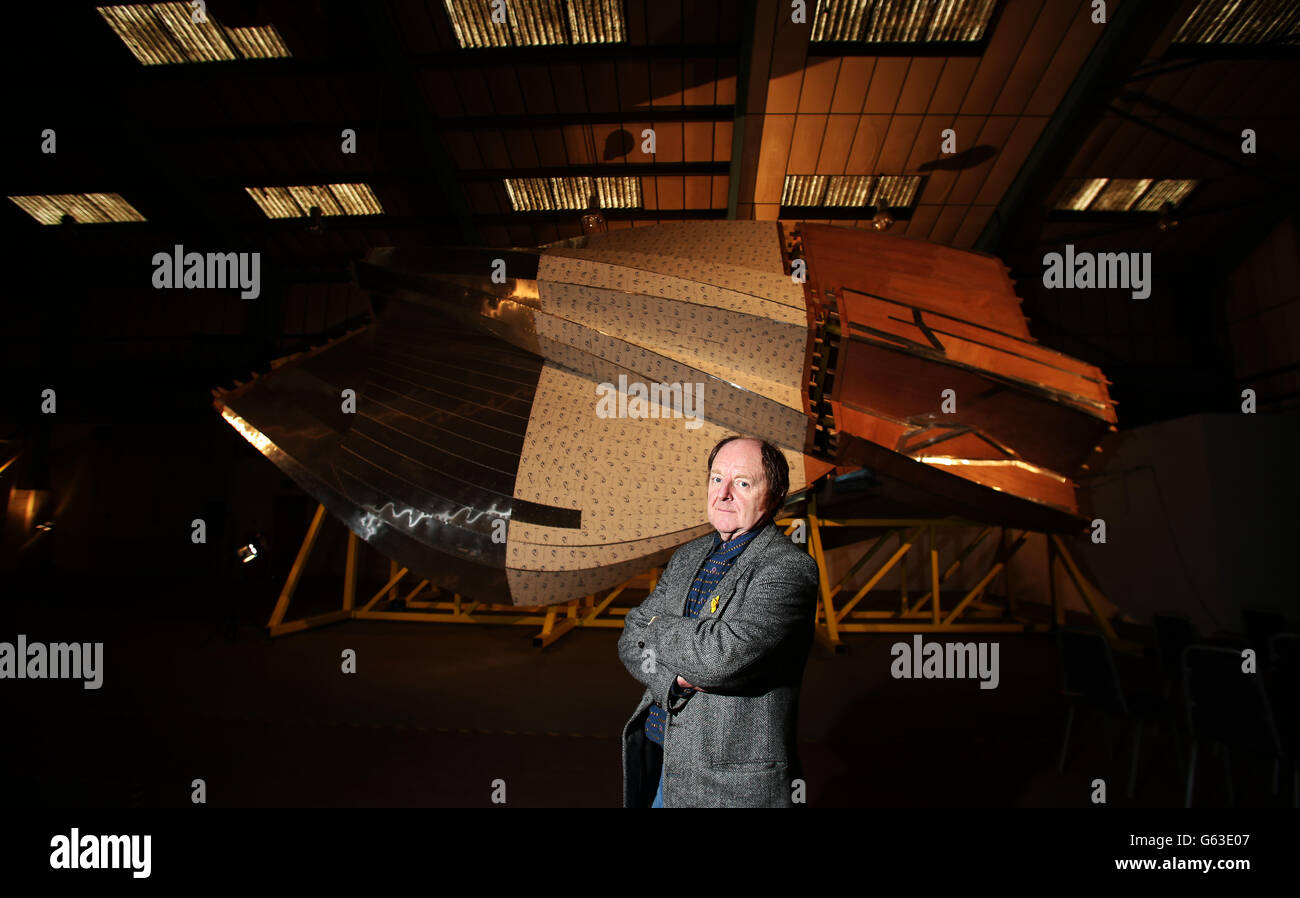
<point x="734" y="745"/>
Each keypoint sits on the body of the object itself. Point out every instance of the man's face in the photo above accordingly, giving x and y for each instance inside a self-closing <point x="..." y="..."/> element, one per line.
<point x="737" y="488"/>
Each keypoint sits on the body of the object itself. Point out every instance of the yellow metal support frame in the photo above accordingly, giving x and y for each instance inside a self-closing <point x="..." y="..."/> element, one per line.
<point x="554" y="620"/>
<point x="972" y="613"/>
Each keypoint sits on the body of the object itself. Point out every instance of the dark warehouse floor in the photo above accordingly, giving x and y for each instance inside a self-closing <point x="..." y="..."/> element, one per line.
<point x="435" y="713"/>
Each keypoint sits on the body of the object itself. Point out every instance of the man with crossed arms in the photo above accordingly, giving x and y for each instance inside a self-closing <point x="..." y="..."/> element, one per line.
<point x="720" y="645"/>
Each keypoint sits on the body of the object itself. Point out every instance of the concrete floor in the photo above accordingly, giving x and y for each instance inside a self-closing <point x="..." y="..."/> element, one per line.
<point x="436" y="713"/>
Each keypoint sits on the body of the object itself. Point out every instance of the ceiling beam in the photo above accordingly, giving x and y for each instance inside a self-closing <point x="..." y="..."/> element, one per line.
<point x="360" y="63"/>
<point x="839" y="213"/>
<point x="776" y="42"/>
<point x="1124" y="42"/>
<point x="168" y="133"/>
<point x="607" y="170"/>
<point x="205" y="238"/>
<point x="426" y="155"/>
<point x="744" y="63"/>
<point x="569" y="216"/>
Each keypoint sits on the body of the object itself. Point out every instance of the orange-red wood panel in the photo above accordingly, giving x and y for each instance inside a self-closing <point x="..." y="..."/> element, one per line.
<point x="966" y="285"/>
<point x="903" y="386"/>
<point x="874" y="437"/>
<point x="979" y="348"/>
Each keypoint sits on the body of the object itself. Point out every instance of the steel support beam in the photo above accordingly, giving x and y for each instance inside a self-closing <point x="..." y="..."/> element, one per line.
<point x="431" y="156"/>
<point x="1124" y="41"/>
<point x="744" y="62"/>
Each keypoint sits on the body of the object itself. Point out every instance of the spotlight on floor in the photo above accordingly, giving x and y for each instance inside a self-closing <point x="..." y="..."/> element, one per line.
<point x="882" y="220"/>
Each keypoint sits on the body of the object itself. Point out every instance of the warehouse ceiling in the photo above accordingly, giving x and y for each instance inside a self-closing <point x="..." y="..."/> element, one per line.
<point x="1006" y="126"/>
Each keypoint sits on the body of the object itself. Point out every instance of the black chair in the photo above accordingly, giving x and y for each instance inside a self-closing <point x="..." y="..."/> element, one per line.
<point x="1226" y="707"/>
<point x="1284" y="692"/>
<point x="1089" y="677"/>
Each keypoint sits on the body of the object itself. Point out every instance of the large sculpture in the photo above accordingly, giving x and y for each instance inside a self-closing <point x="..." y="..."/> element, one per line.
<point x="530" y="425"/>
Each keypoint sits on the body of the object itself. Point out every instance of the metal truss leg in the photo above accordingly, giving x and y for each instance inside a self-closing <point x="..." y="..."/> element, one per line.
<point x="299" y="563"/>
<point x="277" y="625"/>
<point x="829" y="631"/>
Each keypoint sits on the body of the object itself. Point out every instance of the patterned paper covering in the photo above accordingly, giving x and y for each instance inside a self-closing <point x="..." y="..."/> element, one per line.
<point x="640" y="482"/>
<point x="703" y="303"/>
<point x="603" y="358"/>
<point x="711" y="295"/>
<point x="768" y="296"/>
<point x="760" y="355"/>
<point x="749" y="245"/>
